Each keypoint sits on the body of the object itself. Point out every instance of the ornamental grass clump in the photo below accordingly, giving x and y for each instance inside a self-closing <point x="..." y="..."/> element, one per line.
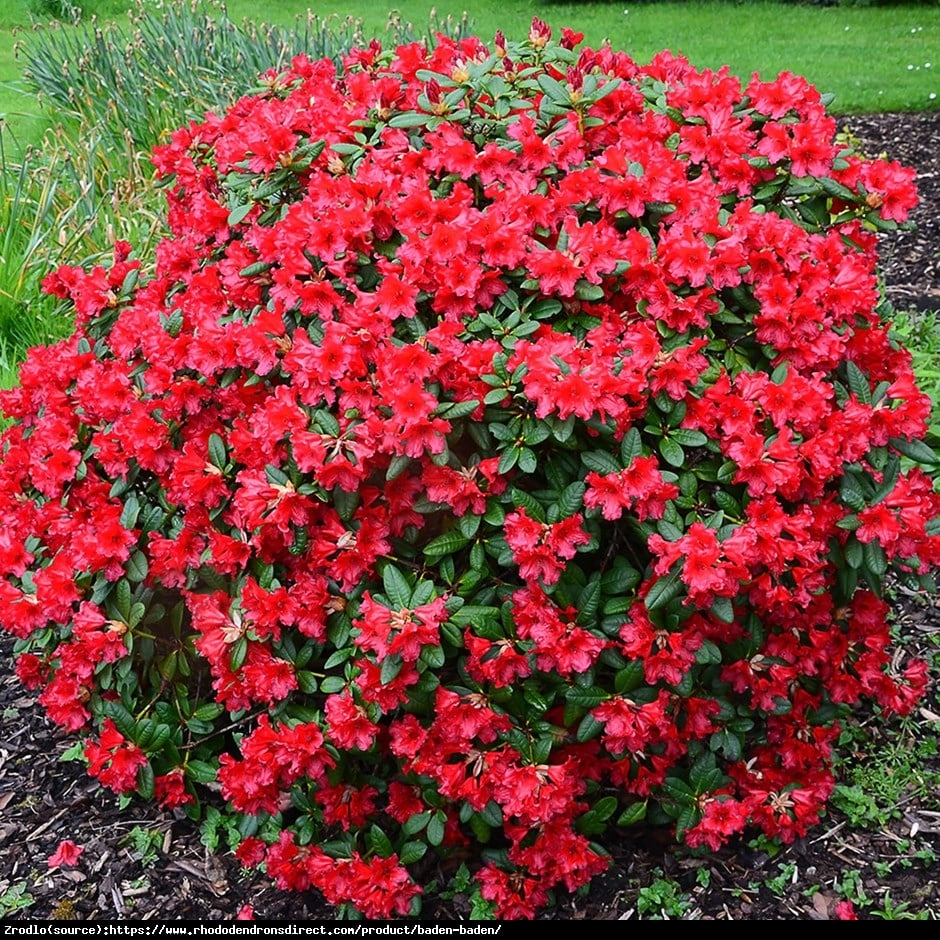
<point x="505" y="448"/>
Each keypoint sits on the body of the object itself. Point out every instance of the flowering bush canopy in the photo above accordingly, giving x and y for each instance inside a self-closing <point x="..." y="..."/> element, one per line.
<point x="506" y="445"/>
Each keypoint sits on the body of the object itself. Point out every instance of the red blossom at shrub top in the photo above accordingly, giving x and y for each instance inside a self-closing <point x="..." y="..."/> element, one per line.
<point x="506" y="444"/>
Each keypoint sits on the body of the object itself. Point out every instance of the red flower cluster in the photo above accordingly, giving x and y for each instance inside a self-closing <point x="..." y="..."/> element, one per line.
<point x="504" y="441"/>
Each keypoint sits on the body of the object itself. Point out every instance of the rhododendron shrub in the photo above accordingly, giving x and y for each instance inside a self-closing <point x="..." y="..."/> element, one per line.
<point x="505" y="446"/>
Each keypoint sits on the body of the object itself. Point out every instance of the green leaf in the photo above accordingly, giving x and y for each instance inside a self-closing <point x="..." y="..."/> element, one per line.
<point x="122" y="599"/>
<point x="276" y="476"/>
<point x="239" y="654"/>
<point x="556" y="92"/>
<point x="397" y="466"/>
<point x="414" y="824"/>
<point x="858" y="383"/>
<point x="708" y="654"/>
<point x="256" y="268"/>
<point x="632" y="815"/>
<point x="397" y="589"/>
<point x="218" y="455"/>
<point x="704" y="776"/>
<point x="852" y="492"/>
<point x="445" y="544"/>
<point x="469" y="525"/>
<point x="208" y="711"/>
<point x="478" y="558"/>
<point x="527" y="501"/>
<point x="589" y="728"/>
<point x="723" y="609"/>
<point x="589" y="601"/>
<point x="631" y="446"/>
<point x="130" y="512"/>
<point x="145" y="781"/>
<point x="477" y="616"/>
<point x="585" y="290"/>
<point x="345" y="502"/>
<point x="380" y="843"/>
<point x="492" y="814"/>
<point x="727" y="744"/>
<point x="423" y="593"/>
<point x="594" y="822"/>
<point x="528" y="462"/>
<point x="854" y="553"/>
<point x="620" y="578"/>
<point x="833" y="188"/>
<point x="339" y="657"/>
<point x="688" y="817"/>
<point x="672" y="452"/>
<point x="507" y="460"/>
<point x="436" y="828"/>
<point x="239" y="212"/>
<point x="495" y="514"/>
<point x="137" y="567"/>
<point x="200" y="772"/>
<point x="569" y="502"/>
<point x="605" y="807"/>
<point x="688" y="437"/>
<point x="630" y="677"/>
<point x="665" y="589"/>
<point x="405" y="119"/>
<point x="918" y="451"/>
<point x="433" y="657"/>
<point x="122" y="718"/>
<point x="875" y="559"/>
<point x="889" y="480"/>
<point x="452" y="410"/>
<point x="199" y="727"/>
<point x="585" y="698"/>
<point x="391" y="667"/>
<point x="600" y="461"/>
<point x="679" y="790"/>
<point x="412" y="852"/>
<point x="562" y="430"/>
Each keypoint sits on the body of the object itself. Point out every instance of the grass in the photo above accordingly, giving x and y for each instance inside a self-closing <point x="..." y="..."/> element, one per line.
<point x="91" y="74"/>
<point x="871" y="58"/>
<point x="919" y="331"/>
<point x="38" y="229"/>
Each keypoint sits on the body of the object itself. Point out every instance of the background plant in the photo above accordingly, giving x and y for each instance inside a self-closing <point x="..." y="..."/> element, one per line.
<point x="190" y="58"/>
<point x="919" y="331"/>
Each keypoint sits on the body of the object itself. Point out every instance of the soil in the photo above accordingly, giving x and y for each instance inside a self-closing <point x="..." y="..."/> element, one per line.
<point x="139" y="863"/>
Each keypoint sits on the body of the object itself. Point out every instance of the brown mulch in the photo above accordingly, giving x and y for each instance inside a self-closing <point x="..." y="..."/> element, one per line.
<point x="139" y="863"/>
<point x="910" y="260"/>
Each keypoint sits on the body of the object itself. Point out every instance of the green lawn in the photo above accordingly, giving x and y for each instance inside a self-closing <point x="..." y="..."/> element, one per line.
<point x="871" y="58"/>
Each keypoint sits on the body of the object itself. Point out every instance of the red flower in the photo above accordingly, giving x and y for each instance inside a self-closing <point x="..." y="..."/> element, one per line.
<point x="170" y="789"/>
<point x="114" y="760"/>
<point x="66" y="855"/>
<point x="844" y="910"/>
<point x="539" y="549"/>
